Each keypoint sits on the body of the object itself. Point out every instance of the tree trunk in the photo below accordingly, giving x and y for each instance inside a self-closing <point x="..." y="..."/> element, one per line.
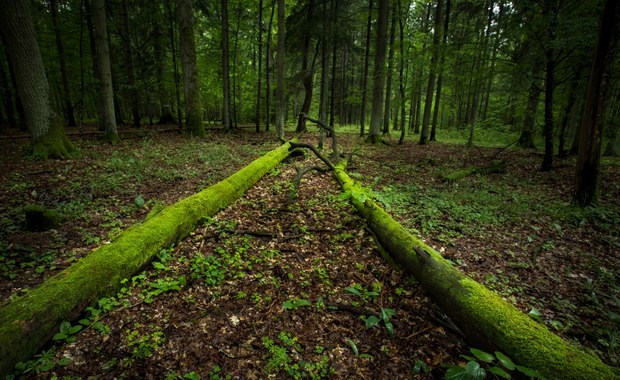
<point x="225" y="68"/>
<point x="307" y="73"/>
<point x="432" y="76"/>
<point x="165" y="110"/>
<point x="187" y="43"/>
<point x="550" y="13"/>
<point x="131" y="76"/>
<point x="366" y="64"/>
<point x="268" y="69"/>
<point x="259" y="76"/>
<point x="69" y="114"/>
<point x="46" y="134"/>
<point x="28" y="322"/>
<point x="387" y="109"/>
<point x="175" y="65"/>
<point x="484" y="317"/>
<point x="104" y="73"/>
<point x="442" y="60"/>
<point x="281" y="99"/>
<point x="587" y="173"/>
<point x="379" y="73"/>
<point x="526" y="138"/>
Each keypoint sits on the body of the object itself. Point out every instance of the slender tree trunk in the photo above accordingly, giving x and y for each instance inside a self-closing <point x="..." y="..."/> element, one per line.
<point x="387" y="109"/>
<point x="18" y="35"/>
<point x="280" y="95"/>
<point x="175" y="65"/>
<point x="550" y="12"/>
<point x="131" y="76"/>
<point x="268" y="68"/>
<point x="568" y="110"/>
<point x="613" y="136"/>
<point x="307" y="73"/>
<point x="236" y="91"/>
<point x="526" y="138"/>
<point x="334" y="56"/>
<point x="187" y="43"/>
<point x="432" y="76"/>
<point x="106" y="91"/>
<point x="442" y="61"/>
<point x="379" y="73"/>
<point x="402" y="18"/>
<point x="587" y="173"/>
<point x="259" y="85"/>
<point x="225" y="67"/>
<point x="324" y="76"/>
<point x="366" y="64"/>
<point x="69" y="114"/>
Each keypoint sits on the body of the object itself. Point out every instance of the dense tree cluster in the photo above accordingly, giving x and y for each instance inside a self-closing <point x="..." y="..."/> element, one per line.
<point x="409" y="65"/>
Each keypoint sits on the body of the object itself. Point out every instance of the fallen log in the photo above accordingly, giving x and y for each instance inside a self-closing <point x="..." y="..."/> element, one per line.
<point x="495" y="167"/>
<point x="28" y="322"/>
<point x="485" y="318"/>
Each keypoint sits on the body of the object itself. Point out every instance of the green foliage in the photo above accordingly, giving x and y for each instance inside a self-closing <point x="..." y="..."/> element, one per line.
<point x="279" y="359"/>
<point x="355" y="350"/>
<point x="384" y="316"/>
<point x="295" y="303"/>
<point x="67" y="332"/>
<point x="143" y="345"/>
<point x="40" y="363"/>
<point x="477" y="366"/>
<point x="208" y="268"/>
<point x="364" y="294"/>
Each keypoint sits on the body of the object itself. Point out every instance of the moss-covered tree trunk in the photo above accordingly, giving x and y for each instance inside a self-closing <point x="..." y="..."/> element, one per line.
<point x="18" y="34"/>
<point x="486" y="319"/>
<point x="29" y="321"/>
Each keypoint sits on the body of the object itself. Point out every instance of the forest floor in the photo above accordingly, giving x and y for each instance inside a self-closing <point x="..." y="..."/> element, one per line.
<point x="277" y="286"/>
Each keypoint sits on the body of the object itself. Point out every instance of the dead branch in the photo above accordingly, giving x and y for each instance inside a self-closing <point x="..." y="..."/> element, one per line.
<point x="300" y="173"/>
<point x="315" y="151"/>
<point x="321" y="124"/>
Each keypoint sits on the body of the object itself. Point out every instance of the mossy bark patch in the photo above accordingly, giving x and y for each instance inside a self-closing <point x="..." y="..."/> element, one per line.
<point x="486" y="319"/>
<point x="29" y="321"/>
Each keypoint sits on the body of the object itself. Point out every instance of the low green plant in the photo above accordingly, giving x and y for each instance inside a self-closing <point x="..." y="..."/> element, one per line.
<point x="384" y="316"/>
<point x="295" y="303"/>
<point x="360" y="291"/>
<point x="42" y="362"/>
<point x="278" y="359"/>
<point x="477" y="366"/>
<point x="356" y="351"/>
<point x="143" y="345"/>
<point x="67" y="332"/>
<point x="208" y="268"/>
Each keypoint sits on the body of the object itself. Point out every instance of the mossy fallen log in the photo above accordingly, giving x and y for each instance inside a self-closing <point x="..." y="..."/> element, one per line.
<point x="28" y="322"/>
<point x="484" y="317"/>
<point x="495" y="167"/>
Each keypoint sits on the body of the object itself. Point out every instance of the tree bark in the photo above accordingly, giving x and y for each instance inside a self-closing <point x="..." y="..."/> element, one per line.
<point x="366" y="64"/>
<point x="280" y="95"/>
<point x="432" y="76"/>
<point x="387" y="109"/>
<point x="107" y="114"/>
<point x="225" y="68"/>
<point x="484" y="317"/>
<point x="18" y="34"/>
<point x="131" y="75"/>
<point x="268" y="69"/>
<point x="442" y="60"/>
<point x="28" y="322"/>
<point x="587" y="173"/>
<point x="69" y="114"/>
<point x="379" y="73"/>
<point x="550" y="13"/>
<point x="526" y="138"/>
<point x="307" y="73"/>
<point x="187" y="43"/>
<point x="259" y="77"/>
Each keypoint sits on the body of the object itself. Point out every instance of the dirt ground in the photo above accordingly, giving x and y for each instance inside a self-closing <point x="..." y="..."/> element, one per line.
<point x="283" y="286"/>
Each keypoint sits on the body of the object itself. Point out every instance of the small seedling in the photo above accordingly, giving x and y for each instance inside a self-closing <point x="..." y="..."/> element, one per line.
<point x="384" y="317"/>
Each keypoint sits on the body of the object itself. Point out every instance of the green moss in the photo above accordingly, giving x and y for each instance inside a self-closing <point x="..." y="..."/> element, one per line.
<point x="111" y="138"/>
<point x="459" y="174"/>
<point x="482" y="315"/>
<point x="156" y="209"/>
<point x="54" y="144"/>
<point x="28" y="322"/>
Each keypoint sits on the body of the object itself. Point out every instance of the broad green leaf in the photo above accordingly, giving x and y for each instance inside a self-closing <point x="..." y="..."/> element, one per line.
<point x="288" y="305"/>
<point x="456" y="373"/>
<point x="475" y="371"/>
<point x="390" y="328"/>
<point x="505" y="360"/>
<point x="354" y="291"/>
<point x="420" y="366"/>
<point x="500" y="372"/>
<point x="159" y="265"/>
<point x="387" y="313"/>
<point x="299" y="303"/>
<point x="372" y="321"/>
<point x="481" y="355"/>
<point x="139" y="201"/>
<point x="468" y="358"/>
<point x="528" y="371"/>
<point x="536" y="314"/>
